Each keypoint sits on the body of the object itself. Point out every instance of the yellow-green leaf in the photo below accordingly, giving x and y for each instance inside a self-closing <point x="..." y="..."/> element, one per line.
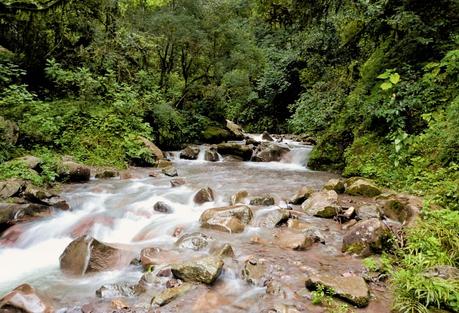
<point x="386" y="85"/>
<point x="394" y="78"/>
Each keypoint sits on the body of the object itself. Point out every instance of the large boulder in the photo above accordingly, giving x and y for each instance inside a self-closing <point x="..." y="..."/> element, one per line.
<point x="361" y="187"/>
<point x="322" y="204"/>
<point x="204" y="270"/>
<point x="401" y="208"/>
<point x="352" y="289"/>
<point x="170" y="294"/>
<point x="275" y="218"/>
<point x="155" y="152"/>
<point x="214" y="134"/>
<point x="366" y="237"/>
<point x="299" y="241"/>
<point x="269" y="152"/>
<point x="266" y="136"/>
<point x="14" y="213"/>
<point x="301" y="195"/>
<point x="9" y="131"/>
<point x="190" y="153"/>
<point x="230" y="219"/>
<point x="335" y="184"/>
<point x="204" y="195"/>
<point x="86" y="254"/>
<point x="11" y="188"/>
<point x="75" y="172"/>
<point x="211" y="154"/>
<point x="237" y="130"/>
<point x="236" y="149"/>
<point x="24" y="299"/>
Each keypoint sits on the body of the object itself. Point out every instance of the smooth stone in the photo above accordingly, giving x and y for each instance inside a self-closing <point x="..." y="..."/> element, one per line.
<point x="170" y="294"/>
<point x="322" y="204"/>
<point x="204" y="195"/>
<point x="204" y="270"/>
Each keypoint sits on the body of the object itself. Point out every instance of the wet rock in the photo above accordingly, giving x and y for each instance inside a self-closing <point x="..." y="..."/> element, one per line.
<point x="74" y="172"/>
<point x="299" y="241"/>
<point x="156" y="256"/>
<point x="269" y="152"/>
<point x="239" y="197"/>
<point x="251" y="141"/>
<point x="176" y="182"/>
<point x="163" y="163"/>
<point x="211" y="155"/>
<point x="366" y="237"/>
<point x="170" y="171"/>
<point x="322" y="204"/>
<point x="11" y="188"/>
<point x="273" y="287"/>
<point x="361" y="187"/>
<point x="237" y="130"/>
<point x="12" y="213"/>
<point x="190" y="153"/>
<point x="204" y="270"/>
<point x="335" y="184"/>
<point x="352" y="289"/>
<point x="255" y="272"/>
<point x="116" y="290"/>
<point x="86" y="255"/>
<point x="263" y="200"/>
<point x="105" y="174"/>
<point x="9" y="131"/>
<point x="216" y="134"/>
<point x="170" y="294"/>
<point x="276" y="218"/>
<point x="30" y="161"/>
<point x="368" y="211"/>
<point x="229" y="219"/>
<point x="301" y="195"/>
<point x="296" y="224"/>
<point x="35" y="194"/>
<point x="236" y="149"/>
<point x="162" y="207"/>
<point x="154" y="151"/>
<point x="24" y="299"/>
<point x="224" y="251"/>
<point x="195" y="241"/>
<point x="204" y="195"/>
<point x="265" y="136"/>
<point x="401" y="208"/>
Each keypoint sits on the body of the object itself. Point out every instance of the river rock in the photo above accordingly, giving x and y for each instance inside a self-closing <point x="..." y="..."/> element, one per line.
<point x="86" y="254"/>
<point x="263" y="200"/>
<point x="236" y="149"/>
<point x="230" y="225"/>
<point x="368" y="211"/>
<point x="204" y="195"/>
<point x="176" y="182"/>
<point x="255" y="272"/>
<point x="14" y="213"/>
<point x="211" y="155"/>
<point x="194" y="241"/>
<point x="156" y="256"/>
<point x="204" y="270"/>
<point x="237" y="130"/>
<point x="301" y="195"/>
<point x="335" y="184"/>
<point x="11" y="187"/>
<point x="74" y="172"/>
<point x="361" y="187"/>
<point x="251" y="141"/>
<point x="163" y="163"/>
<point x="238" y="197"/>
<point x="190" y="153"/>
<point x="106" y="174"/>
<point x="170" y="171"/>
<point x="162" y="207"/>
<point x="299" y="241"/>
<point x="401" y="208"/>
<point x="170" y="294"/>
<point x="240" y="212"/>
<point x="266" y="136"/>
<point x="154" y="151"/>
<point x="322" y="204"/>
<point x="352" y="289"/>
<point x="224" y="251"/>
<point x="366" y="237"/>
<point x="24" y="299"/>
<point x="276" y="218"/>
<point x="116" y="290"/>
<point x="269" y="152"/>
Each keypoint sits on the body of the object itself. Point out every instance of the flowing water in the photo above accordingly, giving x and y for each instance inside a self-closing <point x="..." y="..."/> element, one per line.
<point x="119" y="212"/>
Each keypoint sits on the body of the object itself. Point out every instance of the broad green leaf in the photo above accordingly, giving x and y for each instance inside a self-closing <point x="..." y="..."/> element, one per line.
<point x="386" y="85"/>
<point x="394" y="78"/>
<point x="384" y="75"/>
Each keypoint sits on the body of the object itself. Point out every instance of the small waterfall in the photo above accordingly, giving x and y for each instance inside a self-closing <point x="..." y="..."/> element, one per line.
<point x="298" y="156"/>
<point x="202" y="153"/>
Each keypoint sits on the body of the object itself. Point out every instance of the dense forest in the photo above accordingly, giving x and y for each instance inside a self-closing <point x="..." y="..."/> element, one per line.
<point x="375" y="82"/>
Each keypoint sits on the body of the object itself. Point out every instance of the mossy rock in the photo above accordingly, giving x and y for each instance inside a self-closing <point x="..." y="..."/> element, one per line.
<point x="214" y="134"/>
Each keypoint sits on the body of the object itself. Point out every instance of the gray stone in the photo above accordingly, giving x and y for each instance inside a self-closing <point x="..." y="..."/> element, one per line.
<point x="322" y="204"/>
<point x="204" y="270"/>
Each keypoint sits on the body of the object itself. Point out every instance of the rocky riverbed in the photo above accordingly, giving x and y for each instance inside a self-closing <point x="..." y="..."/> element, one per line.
<point x="208" y="231"/>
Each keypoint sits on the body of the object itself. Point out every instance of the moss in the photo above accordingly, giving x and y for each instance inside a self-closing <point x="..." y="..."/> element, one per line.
<point x="214" y="134"/>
